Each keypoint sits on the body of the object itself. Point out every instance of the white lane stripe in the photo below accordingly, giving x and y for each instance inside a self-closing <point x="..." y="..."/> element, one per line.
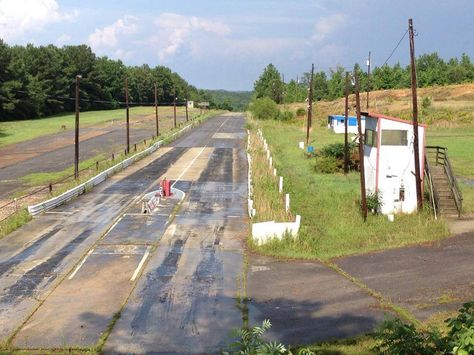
<point x="113" y="225"/>
<point x="137" y="270"/>
<point x="197" y="156"/>
<point x="80" y="265"/>
<point x="188" y="166"/>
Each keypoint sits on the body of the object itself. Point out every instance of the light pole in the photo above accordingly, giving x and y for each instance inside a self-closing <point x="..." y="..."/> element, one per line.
<point x="76" y="135"/>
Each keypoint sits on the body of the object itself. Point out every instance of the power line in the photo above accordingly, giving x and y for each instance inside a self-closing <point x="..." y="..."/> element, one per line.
<point x="115" y="102"/>
<point x="394" y="49"/>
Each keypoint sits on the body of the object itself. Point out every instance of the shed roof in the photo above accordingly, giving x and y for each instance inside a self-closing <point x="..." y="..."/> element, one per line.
<point x="396" y="119"/>
<point x="343" y="116"/>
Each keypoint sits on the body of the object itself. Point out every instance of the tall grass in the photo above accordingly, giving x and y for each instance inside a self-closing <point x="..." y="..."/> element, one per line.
<point x="268" y="202"/>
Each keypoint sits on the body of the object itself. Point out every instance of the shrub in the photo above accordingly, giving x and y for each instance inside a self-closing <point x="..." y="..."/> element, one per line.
<point x="264" y="109"/>
<point x="426" y="103"/>
<point x="335" y="150"/>
<point x="285" y="115"/>
<point x="374" y="202"/>
<point x="327" y="165"/>
<point x="396" y="337"/>
<point x="461" y="333"/>
<point x="300" y="112"/>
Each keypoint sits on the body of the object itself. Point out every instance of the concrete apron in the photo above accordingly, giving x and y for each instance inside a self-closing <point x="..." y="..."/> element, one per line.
<point x="79" y="310"/>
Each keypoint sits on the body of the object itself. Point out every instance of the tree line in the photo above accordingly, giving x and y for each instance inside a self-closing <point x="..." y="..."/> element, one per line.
<point x="431" y="70"/>
<point x="37" y="81"/>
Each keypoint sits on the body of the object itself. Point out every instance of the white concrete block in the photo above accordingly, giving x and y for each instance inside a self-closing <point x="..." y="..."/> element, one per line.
<point x="265" y="231"/>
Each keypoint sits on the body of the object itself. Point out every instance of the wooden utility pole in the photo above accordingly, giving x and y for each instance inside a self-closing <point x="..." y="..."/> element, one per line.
<point x="368" y="80"/>
<point x="174" y="107"/>
<point x="363" y="196"/>
<point x="187" y="118"/>
<point x="76" y="133"/>
<point x="416" y="152"/>
<point x="127" y="110"/>
<point x="346" y="114"/>
<point x="156" y="112"/>
<point x="310" y="105"/>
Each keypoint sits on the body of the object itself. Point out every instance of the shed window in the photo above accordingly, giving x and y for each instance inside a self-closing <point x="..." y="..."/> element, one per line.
<point x="370" y="138"/>
<point x="394" y="137"/>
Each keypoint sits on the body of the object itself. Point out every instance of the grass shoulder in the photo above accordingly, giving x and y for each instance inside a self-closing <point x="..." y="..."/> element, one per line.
<point x="329" y="204"/>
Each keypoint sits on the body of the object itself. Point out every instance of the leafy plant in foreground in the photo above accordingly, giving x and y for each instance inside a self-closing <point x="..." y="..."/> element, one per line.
<point x="250" y="342"/>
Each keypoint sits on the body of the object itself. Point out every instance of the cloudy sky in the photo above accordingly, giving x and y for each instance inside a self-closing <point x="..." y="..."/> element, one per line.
<point x="227" y="43"/>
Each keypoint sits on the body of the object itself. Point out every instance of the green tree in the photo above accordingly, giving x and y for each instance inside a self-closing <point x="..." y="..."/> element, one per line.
<point x="269" y="84"/>
<point x="336" y="83"/>
<point x="320" y="86"/>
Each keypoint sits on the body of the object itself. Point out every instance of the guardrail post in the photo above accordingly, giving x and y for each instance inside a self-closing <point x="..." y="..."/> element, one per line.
<point x="135" y="146"/>
<point x="96" y="165"/>
<point x="50" y="188"/>
<point x="113" y="157"/>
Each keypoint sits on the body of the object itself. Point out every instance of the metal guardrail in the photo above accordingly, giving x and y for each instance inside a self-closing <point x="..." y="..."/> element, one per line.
<point x="441" y="158"/>
<point x="99" y="178"/>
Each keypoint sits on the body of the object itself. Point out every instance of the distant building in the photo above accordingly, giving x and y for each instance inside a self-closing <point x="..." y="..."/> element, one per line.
<point x="190" y="104"/>
<point x="389" y="161"/>
<point x="336" y="123"/>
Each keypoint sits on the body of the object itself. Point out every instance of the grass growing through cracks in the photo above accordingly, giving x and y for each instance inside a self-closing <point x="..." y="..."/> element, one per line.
<point x="329" y="204"/>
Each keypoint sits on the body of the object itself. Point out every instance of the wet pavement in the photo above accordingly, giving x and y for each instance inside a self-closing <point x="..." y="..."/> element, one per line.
<point x="186" y="300"/>
<point x="37" y="257"/>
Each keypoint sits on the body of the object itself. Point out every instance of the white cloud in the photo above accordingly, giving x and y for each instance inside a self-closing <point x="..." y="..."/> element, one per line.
<point x="63" y="39"/>
<point x="327" y="26"/>
<point x="109" y="37"/>
<point x="178" y="31"/>
<point x="21" y="17"/>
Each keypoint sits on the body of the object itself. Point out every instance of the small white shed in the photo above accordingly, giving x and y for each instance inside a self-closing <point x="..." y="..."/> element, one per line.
<point x="190" y="104"/>
<point x="389" y="161"/>
<point x="336" y="123"/>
